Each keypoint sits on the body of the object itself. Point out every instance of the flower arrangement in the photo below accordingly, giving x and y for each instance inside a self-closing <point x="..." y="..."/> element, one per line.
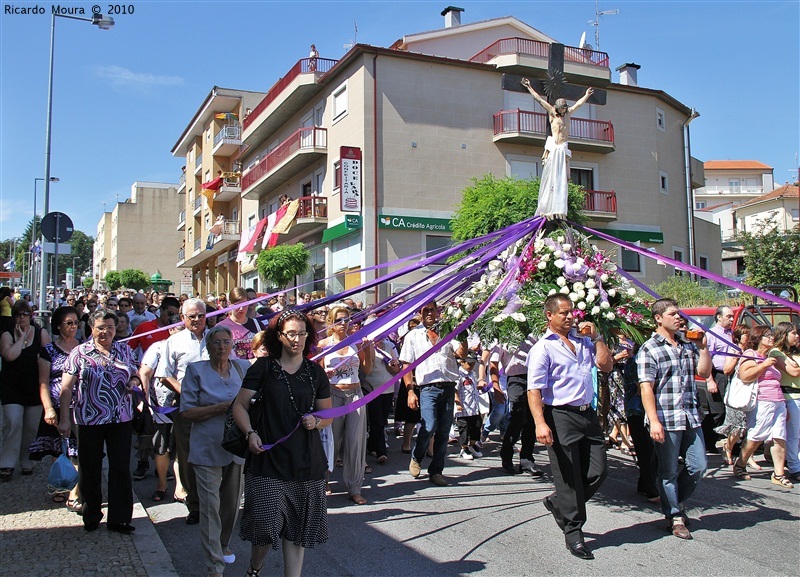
<point x="562" y="262"/>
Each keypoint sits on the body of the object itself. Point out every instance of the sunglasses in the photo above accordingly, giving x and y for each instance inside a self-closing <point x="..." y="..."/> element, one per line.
<point x="195" y="317"/>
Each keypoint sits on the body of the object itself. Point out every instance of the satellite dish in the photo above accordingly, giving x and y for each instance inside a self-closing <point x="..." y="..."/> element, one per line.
<point x="582" y="43"/>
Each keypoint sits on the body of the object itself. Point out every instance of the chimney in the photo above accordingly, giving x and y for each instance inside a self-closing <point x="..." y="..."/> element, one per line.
<point x="452" y="16"/>
<point x="627" y="74"/>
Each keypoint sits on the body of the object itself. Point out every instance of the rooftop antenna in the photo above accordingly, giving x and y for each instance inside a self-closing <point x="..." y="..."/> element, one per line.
<point x="596" y="21"/>
<point x="354" y="40"/>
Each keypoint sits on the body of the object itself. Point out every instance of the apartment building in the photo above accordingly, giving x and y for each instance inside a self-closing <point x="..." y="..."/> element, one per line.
<point x="208" y="221"/>
<point x="418" y="120"/>
<point x="729" y="184"/>
<point x="140" y="233"/>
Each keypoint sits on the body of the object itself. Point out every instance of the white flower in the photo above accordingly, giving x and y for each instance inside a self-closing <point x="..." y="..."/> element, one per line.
<point x="493" y="264"/>
<point x="560" y="239"/>
<point x="500" y="318"/>
<point x="578" y="286"/>
<point x="594" y="248"/>
<point x="519" y="317"/>
<point x="545" y="257"/>
<point x="564" y="290"/>
<point x="542" y="265"/>
<point x="582" y="306"/>
<point x="566" y="247"/>
<point x="552" y="292"/>
<point x="604" y="277"/>
<point x="631" y="291"/>
<point x="590" y="283"/>
<point x="612" y="267"/>
<point x="610" y="316"/>
<point x="612" y="292"/>
<point x="590" y="297"/>
<point x="561" y="281"/>
<point x="591" y="272"/>
<point x="582" y="294"/>
<point x="605" y="305"/>
<point x="573" y="297"/>
<point x="595" y="310"/>
<point x="467" y="302"/>
<point x="457" y="314"/>
<point x="559" y="263"/>
<point x="557" y="253"/>
<point x="580" y="261"/>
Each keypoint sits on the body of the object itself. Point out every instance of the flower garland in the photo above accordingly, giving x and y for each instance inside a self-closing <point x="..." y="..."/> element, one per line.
<point x="562" y="262"/>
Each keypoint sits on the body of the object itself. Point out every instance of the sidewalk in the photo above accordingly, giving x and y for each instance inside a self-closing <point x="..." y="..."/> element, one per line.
<point x="40" y="537"/>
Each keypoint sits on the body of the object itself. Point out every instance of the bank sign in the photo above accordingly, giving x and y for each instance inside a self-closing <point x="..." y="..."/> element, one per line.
<point x="413" y="223"/>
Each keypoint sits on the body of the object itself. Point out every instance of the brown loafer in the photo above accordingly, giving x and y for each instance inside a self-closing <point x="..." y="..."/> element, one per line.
<point x="680" y="531"/>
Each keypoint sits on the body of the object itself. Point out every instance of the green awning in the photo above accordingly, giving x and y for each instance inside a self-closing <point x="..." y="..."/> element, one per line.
<point x="338" y="231"/>
<point x="635" y="235"/>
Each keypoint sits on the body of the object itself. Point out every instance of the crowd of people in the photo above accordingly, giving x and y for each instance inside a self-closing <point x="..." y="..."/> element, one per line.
<point x="161" y="372"/>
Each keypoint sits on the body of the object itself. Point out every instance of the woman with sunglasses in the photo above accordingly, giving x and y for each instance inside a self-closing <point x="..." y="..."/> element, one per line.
<point x="284" y="487"/>
<point x="19" y="389"/>
<point x="349" y="431"/>
<point x="65" y="325"/>
<point x="241" y="326"/>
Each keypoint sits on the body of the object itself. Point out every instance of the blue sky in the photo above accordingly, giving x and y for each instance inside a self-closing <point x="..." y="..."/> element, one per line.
<point x="122" y="97"/>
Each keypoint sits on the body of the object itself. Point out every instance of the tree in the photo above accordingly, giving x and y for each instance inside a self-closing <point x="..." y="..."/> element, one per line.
<point x="492" y="203"/>
<point x="88" y="283"/>
<point x="689" y="293"/>
<point x="281" y="264"/>
<point x="81" y="254"/>
<point x="134" y="279"/>
<point x="771" y="254"/>
<point x="113" y="280"/>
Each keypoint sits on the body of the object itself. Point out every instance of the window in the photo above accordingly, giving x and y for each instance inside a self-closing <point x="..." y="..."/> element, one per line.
<point x="735" y="185"/>
<point x="663" y="182"/>
<point x="337" y="175"/>
<point x="699" y="204"/>
<point x="582" y="177"/>
<point x="319" y="180"/>
<point x="340" y="101"/>
<point x="702" y="262"/>
<point x="439" y="243"/>
<point x="661" y="120"/>
<point x="677" y="254"/>
<point x="521" y="167"/>
<point x="795" y="214"/>
<point x="631" y="261"/>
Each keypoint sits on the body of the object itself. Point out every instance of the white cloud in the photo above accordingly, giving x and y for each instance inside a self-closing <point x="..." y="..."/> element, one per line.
<point x="120" y="76"/>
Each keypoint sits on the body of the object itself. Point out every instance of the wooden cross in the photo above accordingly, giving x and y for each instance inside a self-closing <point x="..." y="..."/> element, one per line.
<point x="554" y="85"/>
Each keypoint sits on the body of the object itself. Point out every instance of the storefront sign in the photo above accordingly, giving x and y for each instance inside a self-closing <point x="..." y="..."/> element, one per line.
<point x="413" y="223"/>
<point x="350" y="178"/>
<point x="352" y="221"/>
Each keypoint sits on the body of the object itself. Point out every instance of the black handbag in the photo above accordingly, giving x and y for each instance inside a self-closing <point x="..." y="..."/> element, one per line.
<point x="234" y="440"/>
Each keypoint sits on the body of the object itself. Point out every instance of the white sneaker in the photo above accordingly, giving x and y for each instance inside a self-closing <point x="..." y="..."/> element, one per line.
<point x="475" y="452"/>
<point x="466" y="455"/>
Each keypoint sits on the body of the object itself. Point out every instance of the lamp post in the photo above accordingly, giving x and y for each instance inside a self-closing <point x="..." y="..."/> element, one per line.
<point x="32" y="273"/>
<point x="103" y="23"/>
<point x="689" y="191"/>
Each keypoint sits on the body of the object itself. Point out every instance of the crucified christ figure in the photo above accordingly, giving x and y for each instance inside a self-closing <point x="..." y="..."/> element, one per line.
<point x="553" y="188"/>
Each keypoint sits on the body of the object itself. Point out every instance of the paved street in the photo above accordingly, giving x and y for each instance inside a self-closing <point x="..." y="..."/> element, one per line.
<point x="484" y="523"/>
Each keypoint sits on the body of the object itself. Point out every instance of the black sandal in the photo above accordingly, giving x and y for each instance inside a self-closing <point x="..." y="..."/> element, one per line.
<point x="158" y="496"/>
<point x="253" y="572"/>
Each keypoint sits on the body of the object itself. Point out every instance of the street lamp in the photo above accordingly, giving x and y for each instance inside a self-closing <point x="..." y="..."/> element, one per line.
<point x="689" y="192"/>
<point x="103" y="23"/>
<point x="32" y="273"/>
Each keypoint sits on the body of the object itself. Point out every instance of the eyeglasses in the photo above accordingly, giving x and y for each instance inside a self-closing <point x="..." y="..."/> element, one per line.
<point x="23" y="314"/>
<point x="70" y="323"/>
<point x="768" y="336"/>
<point x="225" y="343"/>
<point x="104" y="328"/>
<point x="341" y="320"/>
<point x="195" y="317"/>
<point x="293" y="336"/>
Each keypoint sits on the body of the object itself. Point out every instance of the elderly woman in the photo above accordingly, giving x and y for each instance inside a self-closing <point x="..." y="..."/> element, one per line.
<point x="284" y="488"/>
<point x="65" y="325"/>
<point x="101" y="373"/>
<point x="242" y="327"/>
<point x="768" y="420"/>
<point x="19" y="389"/>
<point x="208" y="389"/>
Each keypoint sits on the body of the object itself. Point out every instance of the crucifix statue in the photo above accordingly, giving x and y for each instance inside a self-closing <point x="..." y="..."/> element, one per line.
<point x="553" y="187"/>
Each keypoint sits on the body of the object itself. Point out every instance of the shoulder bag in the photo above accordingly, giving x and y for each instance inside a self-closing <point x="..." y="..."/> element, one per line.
<point x="739" y="395"/>
<point x="234" y="440"/>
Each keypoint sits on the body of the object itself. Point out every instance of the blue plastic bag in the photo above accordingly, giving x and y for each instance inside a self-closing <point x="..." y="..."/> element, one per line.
<point x="62" y="477"/>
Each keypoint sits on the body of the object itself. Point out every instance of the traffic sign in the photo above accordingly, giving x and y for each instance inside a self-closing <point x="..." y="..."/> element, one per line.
<point x="56" y="227"/>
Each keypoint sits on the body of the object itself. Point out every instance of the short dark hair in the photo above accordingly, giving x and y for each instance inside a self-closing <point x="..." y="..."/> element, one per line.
<point x="661" y="305"/>
<point x="551" y="302"/>
<point x="167" y="302"/>
<point x="20" y="306"/>
<point x="719" y="311"/>
<point x="126" y="299"/>
<point x="59" y="315"/>
<point x="275" y="326"/>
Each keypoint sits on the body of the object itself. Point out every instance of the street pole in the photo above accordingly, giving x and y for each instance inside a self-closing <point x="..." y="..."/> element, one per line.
<point x="689" y="191"/>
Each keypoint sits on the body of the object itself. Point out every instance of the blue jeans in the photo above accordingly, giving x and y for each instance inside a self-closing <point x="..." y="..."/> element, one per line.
<point x="793" y="435"/>
<point x="496" y="419"/>
<point x="436" y="406"/>
<point x="676" y="485"/>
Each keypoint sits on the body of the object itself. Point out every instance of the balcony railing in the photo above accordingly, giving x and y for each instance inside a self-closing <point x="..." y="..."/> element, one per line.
<point x="197" y="244"/>
<point x="728" y="189"/>
<point x="198" y="202"/>
<point x="303" y="66"/>
<point x="303" y="138"/>
<point x="542" y="50"/>
<point x="313" y="207"/>
<point x="182" y="217"/>
<point x="228" y="132"/>
<point x="182" y="255"/>
<point x="198" y="162"/>
<point x="600" y="201"/>
<point x="514" y="121"/>
<point x="230" y="227"/>
<point x="182" y="179"/>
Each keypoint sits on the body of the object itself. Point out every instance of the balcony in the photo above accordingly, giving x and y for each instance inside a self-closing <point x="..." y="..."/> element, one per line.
<point x="181" y="256"/>
<point x="230" y="189"/>
<point x="226" y="238"/>
<point x="300" y="150"/>
<point x="520" y="55"/>
<point x="197" y="244"/>
<point x="284" y="99"/>
<point x="182" y="183"/>
<point x="198" y="204"/>
<point x="182" y="220"/>
<point x="600" y="205"/>
<point x="525" y="127"/>
<point x="198" y="163"/>
<point x="228" y="140"/>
